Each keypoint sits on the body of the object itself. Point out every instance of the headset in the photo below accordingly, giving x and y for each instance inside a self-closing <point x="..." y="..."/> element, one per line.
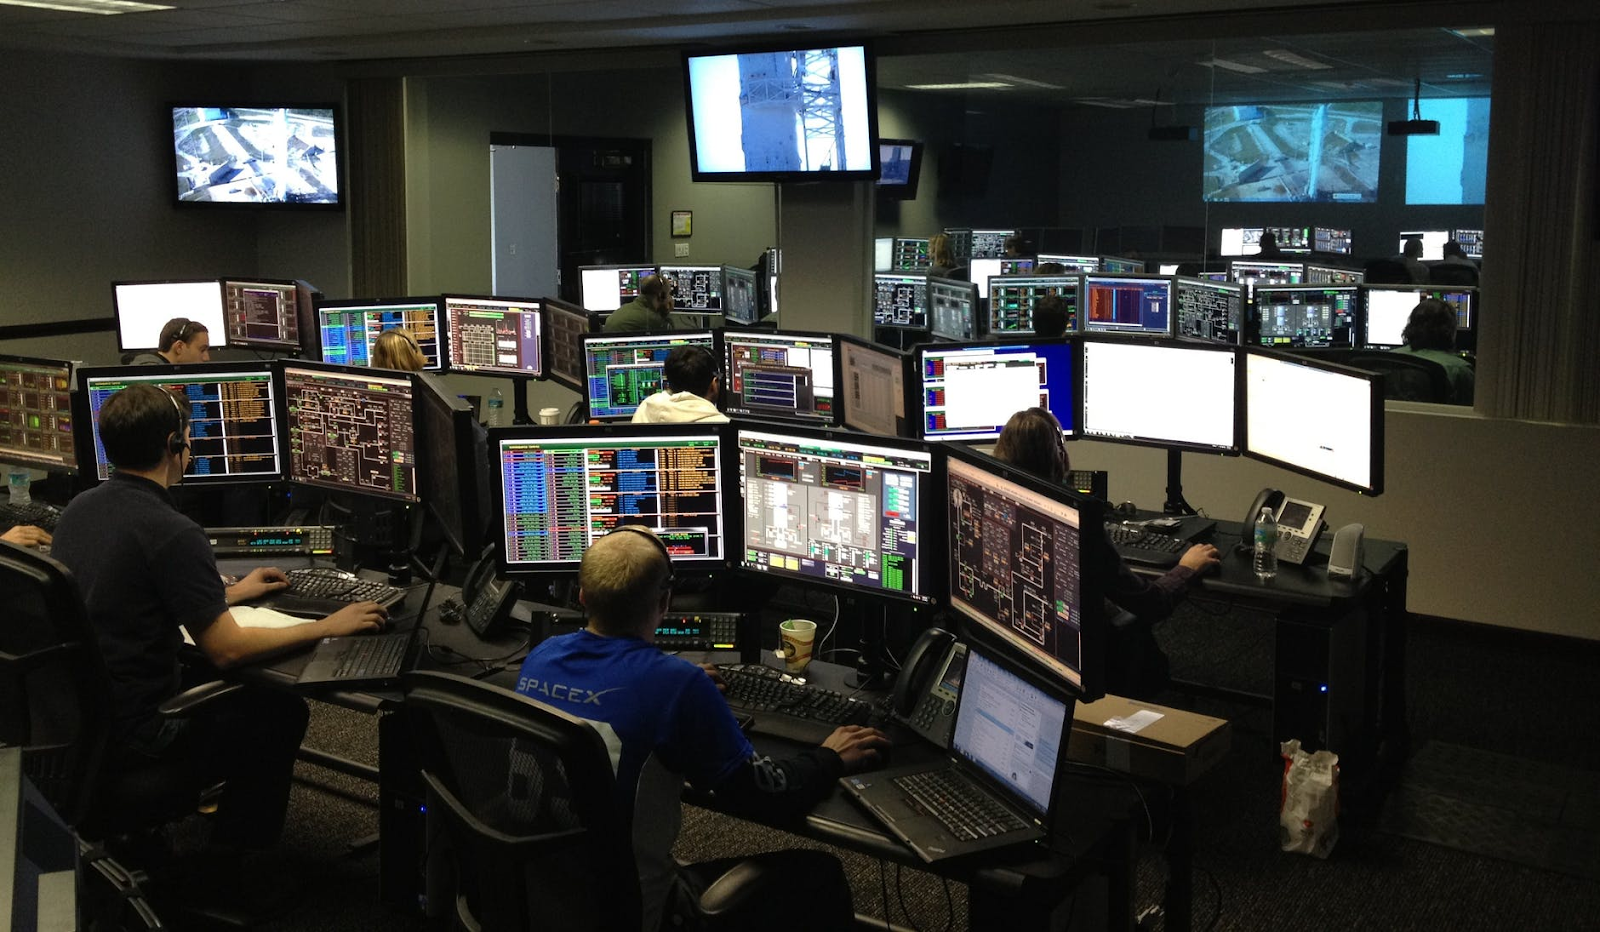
<point x="176" y="444"/>
<point x="667" y="584"/>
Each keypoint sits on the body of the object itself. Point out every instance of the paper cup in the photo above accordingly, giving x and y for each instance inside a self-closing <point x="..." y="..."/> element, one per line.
<point x="798" y="635"/>
<point x="549" y="415"/>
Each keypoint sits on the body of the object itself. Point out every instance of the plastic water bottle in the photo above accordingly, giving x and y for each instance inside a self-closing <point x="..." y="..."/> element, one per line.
<point x="497" y="409"/>
<point x="17" y="480"/>
<point x="1266" y="557"/>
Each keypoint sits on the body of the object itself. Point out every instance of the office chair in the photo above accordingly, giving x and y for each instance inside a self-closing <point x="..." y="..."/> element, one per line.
<point x="1452" y="273"/>
<point x="1406" y="377"/>
<point x="1387" y="272"/>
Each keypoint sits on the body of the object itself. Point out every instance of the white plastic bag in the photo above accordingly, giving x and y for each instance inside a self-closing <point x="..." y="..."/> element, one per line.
<point x="1308" y="817"/>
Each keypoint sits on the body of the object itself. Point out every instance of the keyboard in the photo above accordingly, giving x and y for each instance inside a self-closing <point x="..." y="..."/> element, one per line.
<point x="784" y="709"/>
<point x="1151" y="548"/>
<point x="965" y="809"/>
<point x="37" y="514"/>
<point x="371" y="657"/>
<point x="323" y="591"/>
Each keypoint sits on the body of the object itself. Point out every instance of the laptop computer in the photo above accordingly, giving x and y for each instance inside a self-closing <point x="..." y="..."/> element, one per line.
<point x="996" y="787"/>
<point x="365" y="660"/>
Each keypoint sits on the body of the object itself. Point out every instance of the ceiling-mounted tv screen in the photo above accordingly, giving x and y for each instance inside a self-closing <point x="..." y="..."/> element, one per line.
<point x="1294" y="152"/>
<point x="1452" y="167"/>
<point x="257" y="156"/>
<point x="784" y="115"/>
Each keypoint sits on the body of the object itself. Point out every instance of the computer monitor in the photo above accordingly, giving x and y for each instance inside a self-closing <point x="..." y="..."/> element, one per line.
<point x="1290" y="239"/>
<point x="143" y="308"/>
<point x="1432" y="243"/>
<point x="1012" y="300"/>
<point x="564" y="327"/>
<point x="233" y="417"/>
<point x="740" y="302"/>
<point x="1182" y="396"/>
<point x="901" y="168"/>
<point x="782" y="374"/>
<point x="1385" y="309"/>
<point x="989" y="244"/>
<point x="1471" y="242"/>
<point x="911" y="254"/>
<point x="1168" y="268"/>
<point x="1315" y="418"/>
<point x="1021" y="571"/>
<point x="982" y="270"/>
<point x="349" y="429"/>
<point x="1332" y="275"/>
<point x="696" y="289"/>
<point x="1240" y="241"/>
<point x="970" y="390"/>
<point x="1070" y="263"/>
<point x="953" y="309"/>
<point x="872" y="387"/>
<point x="960" y="243"/>
<point x="882" y="253"/>
<point x="1255" y="274"/>
<point x="609" y="287"/>
<point x="494" y="336"/>
<point x="1307" y="315"/>
<point x="1127" y="304"/>
<point x="36" y="413"/>
<point x="622" y="370"/>
<point x="900" y="299"/>
<point x="349" y="329"/>
<point x="1208" y="310"/>
<point x="453" y="475"/>
<point x="1464" y="298"/>
<point x="839" y="509"/>
<point x="1116" y="265"/>
<point x="1332" y="240"/>
<point x="563" y="488"/>
<point x="262" y="314"/>
<point x="39" y="867"/>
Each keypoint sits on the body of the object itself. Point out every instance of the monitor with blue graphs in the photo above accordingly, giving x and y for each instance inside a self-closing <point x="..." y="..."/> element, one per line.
<point x="1307" y="315"/>
<point x="1177" y="395"/>
<point x="348" y="429"/>
<point x="1012" y="300"/>
<point x="900" y="299"/>
<point x="348" y="329"/>
<point x="1342" y="444"/>
<point x="1126" y="304"/>
<point x="953" y="309"/>
<point x="969" y="390"/>
<point x="622" y="370"/>
<point x="1208" y="310"/>
<point x="781" y="374"/>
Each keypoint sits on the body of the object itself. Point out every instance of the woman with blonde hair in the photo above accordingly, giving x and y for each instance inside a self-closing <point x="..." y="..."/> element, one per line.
<point x="396" y="348"/>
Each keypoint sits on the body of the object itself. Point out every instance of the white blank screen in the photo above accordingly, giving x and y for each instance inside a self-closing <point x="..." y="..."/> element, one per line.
<point x="144" y="307"/>
<point x="1309" y="418"/>
<point x="979" y="272"/>
<point x="1432" y="243"/>
<point x="1161" y="394"/>
<point x="1387" y="313"/>
<point x="602" y="290"/>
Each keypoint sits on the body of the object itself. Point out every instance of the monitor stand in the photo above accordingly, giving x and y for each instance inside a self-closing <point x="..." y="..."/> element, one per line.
<point x="375" y="533"/>
<point x="1175" y="504"/>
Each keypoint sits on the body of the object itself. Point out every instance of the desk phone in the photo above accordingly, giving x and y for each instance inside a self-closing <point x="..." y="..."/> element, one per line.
<point x="1299" y="524"/>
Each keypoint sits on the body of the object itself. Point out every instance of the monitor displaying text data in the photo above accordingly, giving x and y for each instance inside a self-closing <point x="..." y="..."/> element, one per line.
<point x="970" y="390"/>
<point x="562" y="489"/>
<point x="1127" y="304"/>
<point x="838" y="508"/>
<point x="609" y="287"/>
<point x="1012" y="300"/>
<point x="143" y="308"/>
<point x="494" y="336"/>
<point x="262" y="314"/>
<point x="622" y="370"/>
<point x="989" y="244"/>
<point x="782" y="374"/>
<point x="696" y="289"/>
<point x="1207" y="310"/>
<point x="349" y="329"/>
<point x="900" y="299"/>
<point x="1253" y="275"/>
<point x="953" y="309"/>
<point x="1080" y="264"/>
<point x="36" y="413"/>
<point x="872" y="387"/>
<point x="350" y="430"/>
<point x="1306" y="315"/>
<point x="1130" y="390"/>
<point x="1341" y="443"/>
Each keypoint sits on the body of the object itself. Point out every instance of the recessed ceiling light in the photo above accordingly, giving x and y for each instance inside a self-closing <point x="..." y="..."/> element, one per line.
<point x="1474" y="32"/>
<point x="1227" y="65"/>
<point x="962" y="86"/>
<point x="795" y="27"/>
<point x="1296" y="59"/>
<point x="1463" y="76"/>
<point x="100" y="7"/>
<point x="1106" y="102"/>
<point x="1013" y="79"/>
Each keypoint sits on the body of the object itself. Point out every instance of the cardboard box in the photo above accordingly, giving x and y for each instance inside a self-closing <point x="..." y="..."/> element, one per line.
<point x="1153" y="742"/>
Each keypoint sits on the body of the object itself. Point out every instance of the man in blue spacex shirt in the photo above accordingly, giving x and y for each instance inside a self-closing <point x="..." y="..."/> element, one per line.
<point x="665" y="721"/>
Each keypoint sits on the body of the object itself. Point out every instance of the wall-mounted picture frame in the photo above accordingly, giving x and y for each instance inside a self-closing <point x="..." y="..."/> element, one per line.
<point x="682" y="222"/>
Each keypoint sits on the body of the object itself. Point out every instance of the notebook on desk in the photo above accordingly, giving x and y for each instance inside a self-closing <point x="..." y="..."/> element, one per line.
<point x="996" y="787"/>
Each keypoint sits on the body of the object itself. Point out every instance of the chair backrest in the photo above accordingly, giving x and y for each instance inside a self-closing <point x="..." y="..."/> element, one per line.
<point x="55" y="693"/>
<point x="526" y="792"/>
<point x="1452" y="273"/>
<point x="1387" y="272"/>
<point x="1406" y="377"/>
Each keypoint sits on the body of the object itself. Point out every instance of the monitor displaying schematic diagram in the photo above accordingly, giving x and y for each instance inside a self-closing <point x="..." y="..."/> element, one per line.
<point x="781" y="373"/>
<point x="696" y="289"/>
<point x="494" y="336"/>
<point x="621" y="371"/>
<point x="1207" y="310"/>
<point x="349" y="430"/>
<point x="900" y="299"/>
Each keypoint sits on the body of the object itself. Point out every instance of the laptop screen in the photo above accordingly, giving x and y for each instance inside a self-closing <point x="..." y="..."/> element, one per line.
<point x="1010" y="729"/>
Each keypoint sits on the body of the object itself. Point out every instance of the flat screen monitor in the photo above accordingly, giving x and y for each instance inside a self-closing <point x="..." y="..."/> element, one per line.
<point x="1070" y="263"/>
<point x="1021" y="570"/>
<point x="900" y="299"/>
<point x="1452" y="165"/>
<point x="783" y="374"/>
<point x="563" y="488"/>
<point x="1255" y="274"/>
<point x="233" y="417"/>
<point x="883" y="254"/>
<point x="453" y="475"/>
<point x="36" y="413"/>
<point x="1471" y="242"/>
<point x="285" y="157"/>
<point x="609" y="287"/>
<point x="1207" y="310"/>
<point x="740" y="303"/>
<point x="911" y="254"/>
<point x="564" y="327"/>
<point x="1127" y="304"/>
<point x="960" y="243"/>
<point x="1432" y="243"/>
<point x="1332" y="240"/>
<point x="1130" y="390"/>
<point x="1168" y="268"/>
<point x="1322" y="152"/>
<point x="1291" y="239"/>
<point x="494" y="336"/>
<point x="1116" y="266"/>
<point x="143" y="308"/>
<point x="1384" y="312"/>
<point x="1307" y="315"/>
<point x="953" y="309"/>
<point x="622" y="370"/>
<point x="901" y="161"/>
<point x="970" y="390"/>
<point x="349" y="329"/>
<point x="696" y="289"/>
<point x="1341" y="444"/>
<point x="349" y="429"/>
<point x="807" y="114"/>
<point x="1240" y="241"/>
<point x="262" y="314"/>
<point x="839" y="509"/>
<point x="872" y="387"/>
<point x="981" y="271"/>
<point x="989" y="244"/>
<point x="1012" y="300"/>
<point x="1332" y="275"/>
<point x="1464" y="298"/>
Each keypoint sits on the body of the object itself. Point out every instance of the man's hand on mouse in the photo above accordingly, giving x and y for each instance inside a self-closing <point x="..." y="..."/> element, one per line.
<point x="860" y="747"/>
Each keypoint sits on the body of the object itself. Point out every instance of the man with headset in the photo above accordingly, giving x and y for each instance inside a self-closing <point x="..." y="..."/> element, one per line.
<point x="182" y="341"/>
<point x="143" y="570"/>
<point x="650" y="310"/>
<point x="665" y="722"/>
<point x="690" y="395"/>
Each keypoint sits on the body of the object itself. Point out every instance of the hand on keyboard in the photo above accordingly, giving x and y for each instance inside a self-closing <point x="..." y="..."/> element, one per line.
<point x="1201" y="557"/>
<point x="263" y="580"/>
<point x="26" y="535"/>
<point x="716" y="676"/>
<point x="859" y="746"/>
<point x="357" y="618"/>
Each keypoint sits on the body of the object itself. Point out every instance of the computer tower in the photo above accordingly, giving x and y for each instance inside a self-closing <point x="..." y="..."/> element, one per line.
<point x="402" y="804"/>
<point x="1320" y="689"/>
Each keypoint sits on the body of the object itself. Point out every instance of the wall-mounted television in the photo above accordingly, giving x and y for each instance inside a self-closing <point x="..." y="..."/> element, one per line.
<point x="790" y="114"/>
<point x="1293" y="152"/>
<point x="257" y="156"/>
<point x="901" y="168"/>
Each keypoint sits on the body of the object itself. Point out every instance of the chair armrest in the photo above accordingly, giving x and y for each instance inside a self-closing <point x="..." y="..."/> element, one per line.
<point x="196" y="697"/>
<point x="742" y="883"/>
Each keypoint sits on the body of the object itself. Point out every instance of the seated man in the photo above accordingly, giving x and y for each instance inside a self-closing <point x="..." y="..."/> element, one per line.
<point x="651" y="310"/>
<point x="144" y="569"/>
<point x="665" y="721"/>
<point x="1050" y="316"/>
<point x="691" y="392"/>
<point x="182" y="341"/>
<point x="1430" y="332"/>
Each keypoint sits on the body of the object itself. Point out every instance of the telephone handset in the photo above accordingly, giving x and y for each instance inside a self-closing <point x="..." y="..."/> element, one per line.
<point x="1299" y="525"/>
<point x="488" y="598"/>
<point x="925" y="693"/>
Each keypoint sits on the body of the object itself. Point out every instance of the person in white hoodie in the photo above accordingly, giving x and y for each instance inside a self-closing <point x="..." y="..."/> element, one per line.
<point x="690" y="396"/>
